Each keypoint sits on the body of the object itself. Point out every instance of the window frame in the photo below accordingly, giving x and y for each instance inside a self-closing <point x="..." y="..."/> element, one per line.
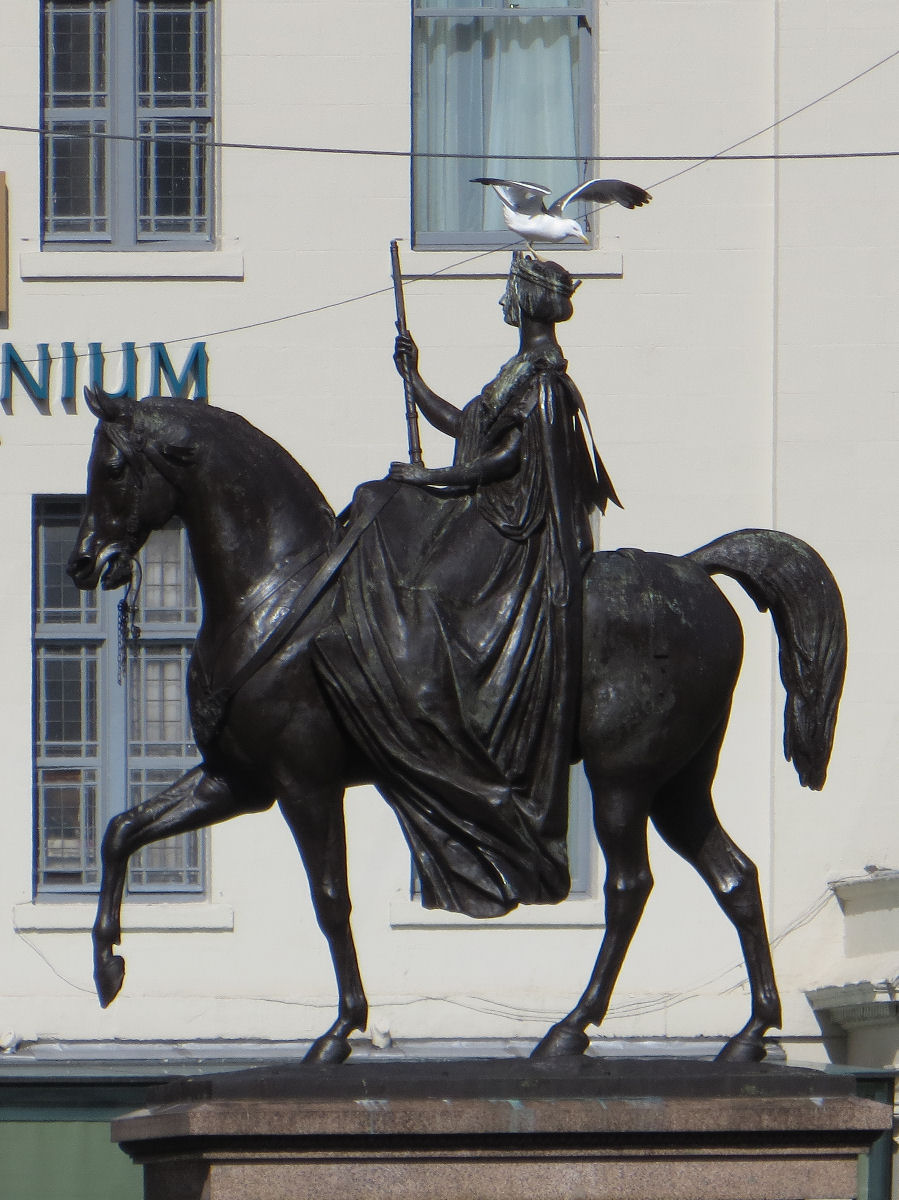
<point x="116" y="154"/>
<point x="584" y="14"/>
<point x="114" y="761"/>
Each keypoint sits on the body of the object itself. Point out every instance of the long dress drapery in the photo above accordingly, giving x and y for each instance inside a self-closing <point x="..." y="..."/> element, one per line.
<point x="454" y="654"/>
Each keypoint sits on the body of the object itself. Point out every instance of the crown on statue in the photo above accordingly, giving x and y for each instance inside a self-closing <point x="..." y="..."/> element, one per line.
<point x="547" y="275"/>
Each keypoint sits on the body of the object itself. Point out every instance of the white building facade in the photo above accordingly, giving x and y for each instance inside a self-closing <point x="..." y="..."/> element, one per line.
<point x="209" y="211"/>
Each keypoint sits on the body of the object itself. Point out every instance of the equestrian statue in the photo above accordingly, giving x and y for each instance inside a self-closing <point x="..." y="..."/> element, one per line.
<point x="454" y="639"/>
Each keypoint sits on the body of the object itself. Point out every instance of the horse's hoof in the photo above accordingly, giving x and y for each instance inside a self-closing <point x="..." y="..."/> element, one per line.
<point x="329" y="1049"/>
<point x="109" y="975"/>
<point x="741" y="1049"/>
<point x="560" y="1042"/>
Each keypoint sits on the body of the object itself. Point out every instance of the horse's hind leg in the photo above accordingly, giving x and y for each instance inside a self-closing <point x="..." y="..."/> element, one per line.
<point x="191" y="802"/>
<point x="619" y="816"/>
<point x="316" y="820"/>
<point x="685" y="816"/>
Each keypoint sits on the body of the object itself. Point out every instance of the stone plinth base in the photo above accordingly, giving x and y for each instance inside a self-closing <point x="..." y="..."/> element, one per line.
<point x="505" y="1130"/>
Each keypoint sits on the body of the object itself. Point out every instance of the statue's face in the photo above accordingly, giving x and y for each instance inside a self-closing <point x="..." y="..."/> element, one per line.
<point x="509" y="304"/>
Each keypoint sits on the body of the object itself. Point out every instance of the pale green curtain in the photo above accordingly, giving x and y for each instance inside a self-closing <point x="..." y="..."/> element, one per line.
<point x="489" y="88"/>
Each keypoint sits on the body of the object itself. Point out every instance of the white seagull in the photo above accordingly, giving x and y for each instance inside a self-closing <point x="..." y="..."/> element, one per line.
<point x="526" y="214"/>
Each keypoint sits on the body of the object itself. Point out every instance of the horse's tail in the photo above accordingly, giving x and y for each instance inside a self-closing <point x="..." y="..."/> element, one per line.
<point x="786" y="576"/>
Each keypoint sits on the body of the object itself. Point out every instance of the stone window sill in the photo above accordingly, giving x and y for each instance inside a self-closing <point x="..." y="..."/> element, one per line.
<point x="226" y="262"/>
<point x="576" y="913"/>
<point x="492" y="264"/>
<point x="151" y="917"/>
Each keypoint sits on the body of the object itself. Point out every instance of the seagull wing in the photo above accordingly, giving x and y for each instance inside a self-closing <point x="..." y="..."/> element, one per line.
<point x="603" y="191"/>
<point x="524" y="198"/>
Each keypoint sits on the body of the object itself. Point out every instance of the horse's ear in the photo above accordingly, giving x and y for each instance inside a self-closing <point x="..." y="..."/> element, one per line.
<point x="181" y="456"/>
<point x="103" y="406"/>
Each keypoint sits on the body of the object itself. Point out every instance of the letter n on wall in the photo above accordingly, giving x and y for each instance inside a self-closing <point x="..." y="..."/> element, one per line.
<point x="4" y="246"/>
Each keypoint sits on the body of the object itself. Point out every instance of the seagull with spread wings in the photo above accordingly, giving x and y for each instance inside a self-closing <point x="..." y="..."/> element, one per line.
<point x="526" y="214"/>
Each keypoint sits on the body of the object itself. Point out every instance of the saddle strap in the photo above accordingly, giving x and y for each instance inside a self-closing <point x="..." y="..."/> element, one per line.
<point x="209" y="707"/>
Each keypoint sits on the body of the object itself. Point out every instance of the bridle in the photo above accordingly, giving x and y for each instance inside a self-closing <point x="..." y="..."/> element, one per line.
<point x="128" y="631"/>
<point x="135" y="460"/>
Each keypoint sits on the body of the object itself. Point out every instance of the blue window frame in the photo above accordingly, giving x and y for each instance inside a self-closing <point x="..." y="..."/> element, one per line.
<point x="496" y="87"/>
<point x="106" y="740"/>
<point x="127" y="123"/>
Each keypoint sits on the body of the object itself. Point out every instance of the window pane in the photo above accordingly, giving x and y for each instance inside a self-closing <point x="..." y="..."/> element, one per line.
<point x="169" y="593"/>
<point x="67" y="820"/>
<point x="497" y="5"/>
<point x="74" y="156"/>
<point x="75" y="178"/>
<point x="174" y="168"/>
<point x="57" y="599"/>
<point x="176" y="862"/>
<point x="172" y="53"/>
<point x="76" y="54"/>
<point x="494" y="95"/>
<point x="161" y="746"/>
<point x="159" y="721"/>
<point x="67" y="691"/>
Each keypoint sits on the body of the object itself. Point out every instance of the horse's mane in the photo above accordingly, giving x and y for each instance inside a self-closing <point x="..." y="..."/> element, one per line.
<point x="189" y="426"/>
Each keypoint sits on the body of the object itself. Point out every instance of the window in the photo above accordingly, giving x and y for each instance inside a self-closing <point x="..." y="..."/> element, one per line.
<point x="104" y="740"/>
<point x="127" y="121"/>
<point x="496" y="86"/>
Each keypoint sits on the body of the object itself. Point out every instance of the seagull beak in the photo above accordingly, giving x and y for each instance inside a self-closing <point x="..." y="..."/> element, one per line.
<point x="582" y="237"/>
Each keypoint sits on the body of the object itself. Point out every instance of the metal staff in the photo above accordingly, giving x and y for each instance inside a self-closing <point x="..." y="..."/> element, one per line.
<point x="411" y="410"/>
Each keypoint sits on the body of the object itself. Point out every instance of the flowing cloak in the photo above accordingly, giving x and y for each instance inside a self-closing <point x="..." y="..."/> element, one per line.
<point x="453" y="655"/>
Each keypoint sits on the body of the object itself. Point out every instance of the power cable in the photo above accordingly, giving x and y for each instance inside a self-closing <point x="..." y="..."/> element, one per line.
<point x="721" y="155"/>
<point x="725" y="153"/>
<point x="363" y="152"/>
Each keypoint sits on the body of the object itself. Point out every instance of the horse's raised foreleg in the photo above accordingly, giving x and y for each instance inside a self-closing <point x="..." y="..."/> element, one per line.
<point x="316" y="820"/>
<point x="191" y="802"/>
<point x="620" y="818"/>
<point x="685" y="817"/>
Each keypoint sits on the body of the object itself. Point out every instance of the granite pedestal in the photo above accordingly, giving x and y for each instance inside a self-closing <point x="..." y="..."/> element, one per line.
<point x="629" y="1129"/>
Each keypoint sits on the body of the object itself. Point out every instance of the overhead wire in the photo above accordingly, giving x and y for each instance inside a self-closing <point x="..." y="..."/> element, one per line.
<point x="723" y="155"/>
<point x="371" y="152"/>
<point x="458" y="155"/>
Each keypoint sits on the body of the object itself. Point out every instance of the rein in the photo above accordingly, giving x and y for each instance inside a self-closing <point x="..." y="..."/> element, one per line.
<point x="209" y="704"/>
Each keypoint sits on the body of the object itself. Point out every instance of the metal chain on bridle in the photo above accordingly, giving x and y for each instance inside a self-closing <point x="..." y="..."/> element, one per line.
<point x="127" y="628"/>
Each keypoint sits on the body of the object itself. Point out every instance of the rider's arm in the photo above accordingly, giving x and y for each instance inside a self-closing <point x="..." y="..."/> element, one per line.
<point x="441" y="414"/>
<point x="500" y="463"/>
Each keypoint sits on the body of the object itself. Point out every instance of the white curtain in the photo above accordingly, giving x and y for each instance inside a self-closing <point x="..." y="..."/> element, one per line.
<point x="491" y="88"/>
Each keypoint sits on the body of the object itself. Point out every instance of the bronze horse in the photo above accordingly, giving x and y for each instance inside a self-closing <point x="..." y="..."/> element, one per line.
<point x="662" y="649"/>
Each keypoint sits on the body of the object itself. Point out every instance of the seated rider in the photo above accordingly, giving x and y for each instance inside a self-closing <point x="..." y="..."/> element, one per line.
<point x="537" y="296"/>
<point x="460" y="612"/>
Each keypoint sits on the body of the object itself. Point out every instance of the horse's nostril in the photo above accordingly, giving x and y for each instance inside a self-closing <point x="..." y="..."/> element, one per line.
<point x="79" y="565"/>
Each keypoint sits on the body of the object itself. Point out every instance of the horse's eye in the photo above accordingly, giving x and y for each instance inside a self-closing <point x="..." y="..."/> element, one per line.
<point x="115" y="471"/>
